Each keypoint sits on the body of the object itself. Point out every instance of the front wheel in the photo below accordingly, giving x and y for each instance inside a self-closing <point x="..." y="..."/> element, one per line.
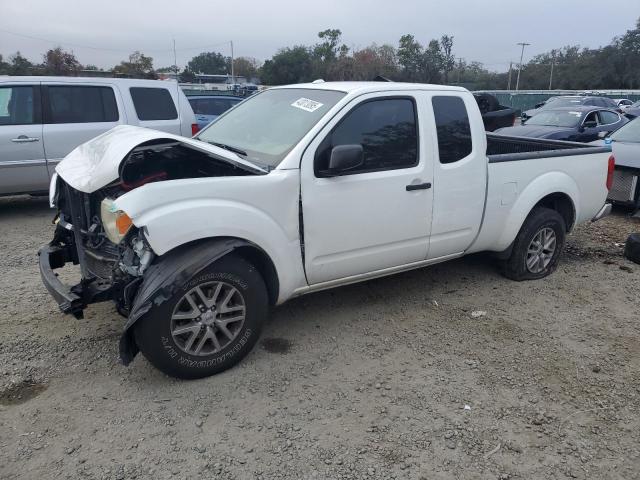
<point x="538" y="246"/>
<point x="209" y="324"/>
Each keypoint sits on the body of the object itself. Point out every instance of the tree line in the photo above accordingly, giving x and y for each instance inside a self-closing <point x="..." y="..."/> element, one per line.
<point x="613" y="66"/>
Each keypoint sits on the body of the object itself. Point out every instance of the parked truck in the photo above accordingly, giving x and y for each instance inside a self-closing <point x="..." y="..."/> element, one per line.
<point x="299" y="189"/>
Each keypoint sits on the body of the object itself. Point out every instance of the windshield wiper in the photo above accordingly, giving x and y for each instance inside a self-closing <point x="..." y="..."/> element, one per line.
<point x="230" y="148"/>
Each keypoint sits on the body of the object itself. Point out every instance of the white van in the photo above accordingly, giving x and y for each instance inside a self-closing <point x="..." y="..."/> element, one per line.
<point x="43" y="118"/>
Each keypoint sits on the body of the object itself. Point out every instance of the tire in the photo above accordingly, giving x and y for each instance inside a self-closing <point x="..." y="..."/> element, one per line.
<point x="165" y="334"/>
<point x="536" y="233"/>
<point x="632" y="248"/>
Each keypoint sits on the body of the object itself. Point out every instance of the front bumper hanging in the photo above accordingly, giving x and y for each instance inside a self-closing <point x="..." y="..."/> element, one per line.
<point x="50" y="258"/>
<point x="71" y="299"/>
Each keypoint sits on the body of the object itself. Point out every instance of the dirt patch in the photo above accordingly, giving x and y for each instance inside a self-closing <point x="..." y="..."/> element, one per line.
<point x="390" y="379"/>
<point x="21" y="392"/>
<point x="276" y="345"/>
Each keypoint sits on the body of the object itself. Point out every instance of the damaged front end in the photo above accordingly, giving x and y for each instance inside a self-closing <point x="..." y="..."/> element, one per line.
<point x="112" y="252"/>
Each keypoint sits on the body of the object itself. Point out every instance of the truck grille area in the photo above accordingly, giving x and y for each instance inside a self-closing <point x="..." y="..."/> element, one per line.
<point x="101" y="263"/>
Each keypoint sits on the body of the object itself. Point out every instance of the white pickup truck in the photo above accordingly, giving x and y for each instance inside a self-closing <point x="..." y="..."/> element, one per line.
<point x="298" y="189"/>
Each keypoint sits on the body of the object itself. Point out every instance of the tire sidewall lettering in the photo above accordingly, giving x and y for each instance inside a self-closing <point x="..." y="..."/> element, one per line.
<point x="217" y="360"/>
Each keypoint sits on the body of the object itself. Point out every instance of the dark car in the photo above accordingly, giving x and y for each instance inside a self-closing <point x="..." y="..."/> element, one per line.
<point x="494" y="115"/>
<point x="625" y="145"/>
<point x="576" y="124"/>
<point x="208" y="107"/>
<point x="572" y="101"/>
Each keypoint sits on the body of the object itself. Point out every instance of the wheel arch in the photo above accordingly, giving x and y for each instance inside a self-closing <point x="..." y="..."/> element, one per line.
<point x="561" y="203"/>
<point x="171" y="270"/>
<point x="555" y="190"/>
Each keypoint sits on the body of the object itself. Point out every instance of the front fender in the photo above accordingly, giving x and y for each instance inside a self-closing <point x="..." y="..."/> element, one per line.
<point x="540" y="187"/>
<point x="165" y="277"/>
<point x="170" y="225"/>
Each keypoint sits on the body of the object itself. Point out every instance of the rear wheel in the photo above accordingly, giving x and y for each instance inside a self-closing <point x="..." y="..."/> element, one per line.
<point x="538" y="246"/>
<point x="209" y="324"/>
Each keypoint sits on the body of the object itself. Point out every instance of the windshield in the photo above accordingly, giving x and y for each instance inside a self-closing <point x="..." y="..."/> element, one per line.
<point x="264" y="128"/>
<point x="555" y="119"/>
<point x="629" y="133"/>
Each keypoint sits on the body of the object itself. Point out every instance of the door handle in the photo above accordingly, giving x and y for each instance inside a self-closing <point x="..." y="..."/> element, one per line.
<point x="25" y="139"/>
<point x="418" y="186"/>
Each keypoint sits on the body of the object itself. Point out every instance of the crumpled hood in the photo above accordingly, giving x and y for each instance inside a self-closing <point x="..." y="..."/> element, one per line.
<point x="95" y="163"/>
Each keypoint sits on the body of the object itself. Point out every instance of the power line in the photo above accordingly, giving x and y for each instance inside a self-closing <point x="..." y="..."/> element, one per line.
<point x="92" y="47"/>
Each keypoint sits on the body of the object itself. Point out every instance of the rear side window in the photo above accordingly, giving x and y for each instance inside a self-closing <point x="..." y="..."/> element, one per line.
<point x="80" y="104"/>
<point x="387" y="131"/>
<point x="608" y="117"/>
<point x="211" y="106"/>
<point x="17" y="106"/>
<point x="153" y="103"/>
<point x="453" y="128"/>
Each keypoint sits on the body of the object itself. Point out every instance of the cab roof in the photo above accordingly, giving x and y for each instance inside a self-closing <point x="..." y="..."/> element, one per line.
<point x="366" y="87"/>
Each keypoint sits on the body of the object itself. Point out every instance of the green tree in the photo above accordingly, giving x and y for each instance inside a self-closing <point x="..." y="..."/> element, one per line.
<point x="289" y="65"/>
<point x="187" y="76"/>
<point x="138" y="66"/>
<point x="60" y="63"/>
<point x="410" y="57"/>
<point x="19" y="65"/>
<point x="245" y="67"/>
<point x="432" y="63"/>
<point x="4" y="66"/>
<point x="448" y="60"/>
<point x="211" y="63"/>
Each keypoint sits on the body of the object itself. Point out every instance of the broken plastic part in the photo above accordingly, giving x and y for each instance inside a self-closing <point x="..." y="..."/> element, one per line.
<point x="165" y="277"/>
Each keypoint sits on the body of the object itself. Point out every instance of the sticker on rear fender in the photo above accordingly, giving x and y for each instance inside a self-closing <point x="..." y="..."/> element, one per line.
<point x="307" y="104"/>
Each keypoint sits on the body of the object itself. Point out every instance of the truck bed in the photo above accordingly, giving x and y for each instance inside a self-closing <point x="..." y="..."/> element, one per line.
<point x="502" y="148"/>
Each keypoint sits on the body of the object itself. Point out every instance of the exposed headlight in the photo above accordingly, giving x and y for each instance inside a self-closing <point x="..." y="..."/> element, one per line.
<point x="116" y="223"/>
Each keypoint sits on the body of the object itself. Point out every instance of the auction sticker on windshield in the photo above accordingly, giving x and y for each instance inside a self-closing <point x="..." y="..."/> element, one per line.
<point x="307" y="104"/>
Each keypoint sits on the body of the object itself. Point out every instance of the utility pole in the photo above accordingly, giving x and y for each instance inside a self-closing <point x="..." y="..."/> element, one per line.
<point x="459" y="69"/>
<point x="175" y="61"/>
<point x="510" y="68"/>
<point x="233" y="77"/>
<point x="520" y="66"/>
<point x="553" y="62"/>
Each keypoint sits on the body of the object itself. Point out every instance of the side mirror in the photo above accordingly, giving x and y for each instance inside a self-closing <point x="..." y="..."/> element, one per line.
<point x="602" y="135"/>
<point x="344" y="158"/>
<point x="590" y="124"/>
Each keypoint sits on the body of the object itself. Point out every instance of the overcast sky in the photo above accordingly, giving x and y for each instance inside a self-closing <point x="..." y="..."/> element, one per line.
<point x="103" y="33"/>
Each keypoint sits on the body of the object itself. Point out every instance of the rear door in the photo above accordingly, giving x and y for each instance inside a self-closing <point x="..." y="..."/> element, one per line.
<point x="74" y="114"/>
<point x="23" y="167"/>
<point x="156" y="108"/>
<point x="366" y="219"/>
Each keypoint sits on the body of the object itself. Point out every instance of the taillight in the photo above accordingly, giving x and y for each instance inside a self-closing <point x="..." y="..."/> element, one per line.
<point x="194" y="128"/>
<point x="610" y="169"/>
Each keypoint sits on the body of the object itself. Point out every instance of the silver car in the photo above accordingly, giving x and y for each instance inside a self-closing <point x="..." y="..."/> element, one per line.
<point x="42" y="119"/>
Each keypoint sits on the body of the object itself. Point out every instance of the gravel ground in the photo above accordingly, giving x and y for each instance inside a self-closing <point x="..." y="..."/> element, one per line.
<point x="450" y="372"/>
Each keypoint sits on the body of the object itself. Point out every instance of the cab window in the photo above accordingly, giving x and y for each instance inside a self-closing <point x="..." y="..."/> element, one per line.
<point x="453" y="128"/>
<point x="386" y="129"/>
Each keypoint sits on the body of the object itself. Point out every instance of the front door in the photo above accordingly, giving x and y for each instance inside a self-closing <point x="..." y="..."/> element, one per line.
<point x="23" y="168"/>
<point x="374" y="216"/>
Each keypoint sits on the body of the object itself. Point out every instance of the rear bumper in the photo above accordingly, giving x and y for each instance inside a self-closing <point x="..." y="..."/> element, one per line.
<point x="604" y="211"/>
<point x="50" y="258"/>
